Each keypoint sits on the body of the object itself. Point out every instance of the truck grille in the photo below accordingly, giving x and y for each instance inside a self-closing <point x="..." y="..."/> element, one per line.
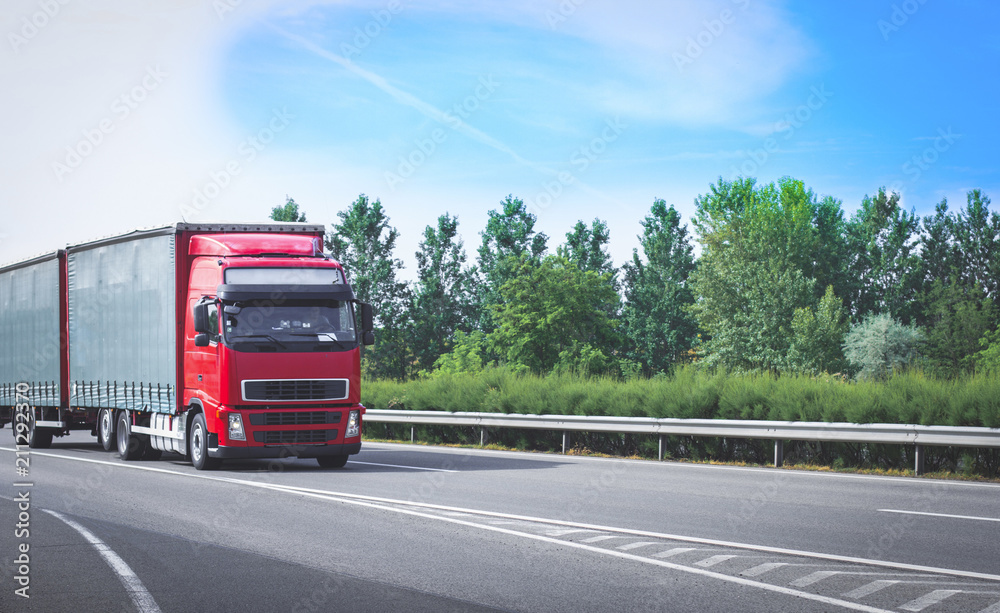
<point x="294" y="418"/>
<point x="295" y="437"/>
<point x="290" y="390"/>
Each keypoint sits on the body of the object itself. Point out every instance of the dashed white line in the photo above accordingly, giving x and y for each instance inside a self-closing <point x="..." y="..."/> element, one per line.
<point x="637" y="545"/>
<point x="712" y="561"/>
<point x="929" y="599"/>
<point x="566" y="531"/>
<point x="140" y="596"/>
<point x="673" y="552"/>
<point x="948" y="515"/>
<point x="760" y="569"/>
<point x="870" y="588"/>
<point x="598" y="539"/>
<point x="814" y="577"/>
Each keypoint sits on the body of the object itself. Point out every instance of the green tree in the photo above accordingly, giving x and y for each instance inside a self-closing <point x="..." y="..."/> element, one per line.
<point x="442" y="302"/>
<point x="587" y="247"/>
<point x="289" y="212"/>
<point x="657" y="323"/>
<point x="817" y="344"/>
<point x="880" y="345"/>
<point x="749" y="280"/>
<point x="957" y="318"/>
<point x="509" y="241"/>
<point x="988" y="358"/>
<point x="465" y="356"/>
<point x="363" y="241"/>
<point x="882" y="239"/>
<point x="977" y="238"/>
<point x="549" y="309"/>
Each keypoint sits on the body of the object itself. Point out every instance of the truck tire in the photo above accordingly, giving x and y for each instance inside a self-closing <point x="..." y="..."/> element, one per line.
<point x="130" y="446"/>
<point x="106" y="429"/>
<point x="198" y="445"/>
<point x="332" y="461"/>
<point x="38" y="438"/>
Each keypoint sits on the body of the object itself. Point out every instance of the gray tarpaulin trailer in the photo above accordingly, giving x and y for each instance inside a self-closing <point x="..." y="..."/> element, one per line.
<point x="33" y="338"/>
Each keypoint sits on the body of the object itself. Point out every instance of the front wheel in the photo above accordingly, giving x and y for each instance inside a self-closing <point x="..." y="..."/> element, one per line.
<point x="199" y="445"/>
<point x="332" y="461"/>
<point x="106" y="429"/>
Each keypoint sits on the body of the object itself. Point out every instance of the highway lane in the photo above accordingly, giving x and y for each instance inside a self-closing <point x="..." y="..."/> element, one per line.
<point x="401" y="529"/>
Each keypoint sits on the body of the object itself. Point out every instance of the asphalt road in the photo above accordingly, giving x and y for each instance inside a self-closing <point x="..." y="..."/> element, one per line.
<point x="404" y="528"/>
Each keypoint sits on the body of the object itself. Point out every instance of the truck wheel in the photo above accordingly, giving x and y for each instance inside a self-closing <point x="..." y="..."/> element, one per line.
<point x="106" y="429"/>
<point x="332" y="461"/>
<point x="130" y="446"/>
<point x="199" y="445"/>
<point x="38" y="438"/>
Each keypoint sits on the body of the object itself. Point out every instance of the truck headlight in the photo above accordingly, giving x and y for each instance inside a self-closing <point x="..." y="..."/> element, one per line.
<point x="353" y="424"/>
<point x="236" y="432"/>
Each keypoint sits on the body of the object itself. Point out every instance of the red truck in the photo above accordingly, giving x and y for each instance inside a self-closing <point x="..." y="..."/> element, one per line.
<point x="215" y="341"/>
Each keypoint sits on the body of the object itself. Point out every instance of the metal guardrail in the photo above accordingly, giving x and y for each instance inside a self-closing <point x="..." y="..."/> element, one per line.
<point x="779" y="431"/>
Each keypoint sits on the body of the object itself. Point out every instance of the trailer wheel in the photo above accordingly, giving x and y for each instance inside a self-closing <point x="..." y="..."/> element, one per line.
<point x="38" y="438"/>
<point x="106" y="429"/>
<point x="130" y="446"/>
<point x="199" y="445"/>
<point x="332" y="461"/>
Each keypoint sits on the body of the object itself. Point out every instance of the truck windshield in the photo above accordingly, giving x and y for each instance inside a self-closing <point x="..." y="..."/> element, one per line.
<point x="292" y="326"/>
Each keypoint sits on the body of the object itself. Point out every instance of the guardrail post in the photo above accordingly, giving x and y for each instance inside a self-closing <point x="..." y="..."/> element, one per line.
<point x="413" y="433"/>
<point x="661" y="448"/>
<point x="918" y="468"/>
<point x="565" y="441"/>
<point x="779" y="453"/>
<point x="482" y="437"/>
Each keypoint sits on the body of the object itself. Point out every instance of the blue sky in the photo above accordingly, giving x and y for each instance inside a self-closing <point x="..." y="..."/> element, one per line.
<point x="583" y="108"/>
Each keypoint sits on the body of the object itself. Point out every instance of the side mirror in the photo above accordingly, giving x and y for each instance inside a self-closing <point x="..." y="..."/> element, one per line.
<point x="368" y="338"/>
<point x="201" y="318"/>
<point x="367" y="318"/>
<point x="201" y="340"/>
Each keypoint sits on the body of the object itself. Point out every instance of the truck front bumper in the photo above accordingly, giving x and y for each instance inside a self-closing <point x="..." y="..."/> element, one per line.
<point x="282" y="451"/>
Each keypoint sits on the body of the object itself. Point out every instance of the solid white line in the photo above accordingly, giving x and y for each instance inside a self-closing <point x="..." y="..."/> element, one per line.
<point x="940" y="515"/>
<point x="140" y="596"/>
<point x="598" y="539"/>
<point x="927" y="600"/>
<point x="555" y="522"/>
<point x="436" y="470"/>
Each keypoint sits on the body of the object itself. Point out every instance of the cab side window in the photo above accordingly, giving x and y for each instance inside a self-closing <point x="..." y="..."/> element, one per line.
<point x="213" y="322"/>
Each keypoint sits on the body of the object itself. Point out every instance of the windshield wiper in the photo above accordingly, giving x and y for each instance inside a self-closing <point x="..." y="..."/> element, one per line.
<point x="267" y="336"/>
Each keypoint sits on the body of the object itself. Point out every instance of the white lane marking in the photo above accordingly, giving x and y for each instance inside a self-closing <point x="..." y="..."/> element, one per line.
<point x="436" y="470"/>
<point x="598" y="539"/>
<point x="556" y="522"/>
<point x="632" y="546"/>
<point x="760" y="569"/>
<point x="994" y="609"/>
<point x="948" y="515"/>
<point x="565" y="531"/>
<point x="599" y="550"/>
<point x="673" y="552"/>
<point x="814" y="577"/>
<point x="712" y="561"/>
<point x="140" y="596"/>
<point x="870" y="588"/>
<point x="927" y="600"/>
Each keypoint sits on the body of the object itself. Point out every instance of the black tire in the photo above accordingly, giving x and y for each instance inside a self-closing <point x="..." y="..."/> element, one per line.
<point x="130" y="446"/>
<point x="332" y="461"/>
<point x="198" y="445"/>
<point x="38" y="438"/>
<point x="106" y="429"/>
